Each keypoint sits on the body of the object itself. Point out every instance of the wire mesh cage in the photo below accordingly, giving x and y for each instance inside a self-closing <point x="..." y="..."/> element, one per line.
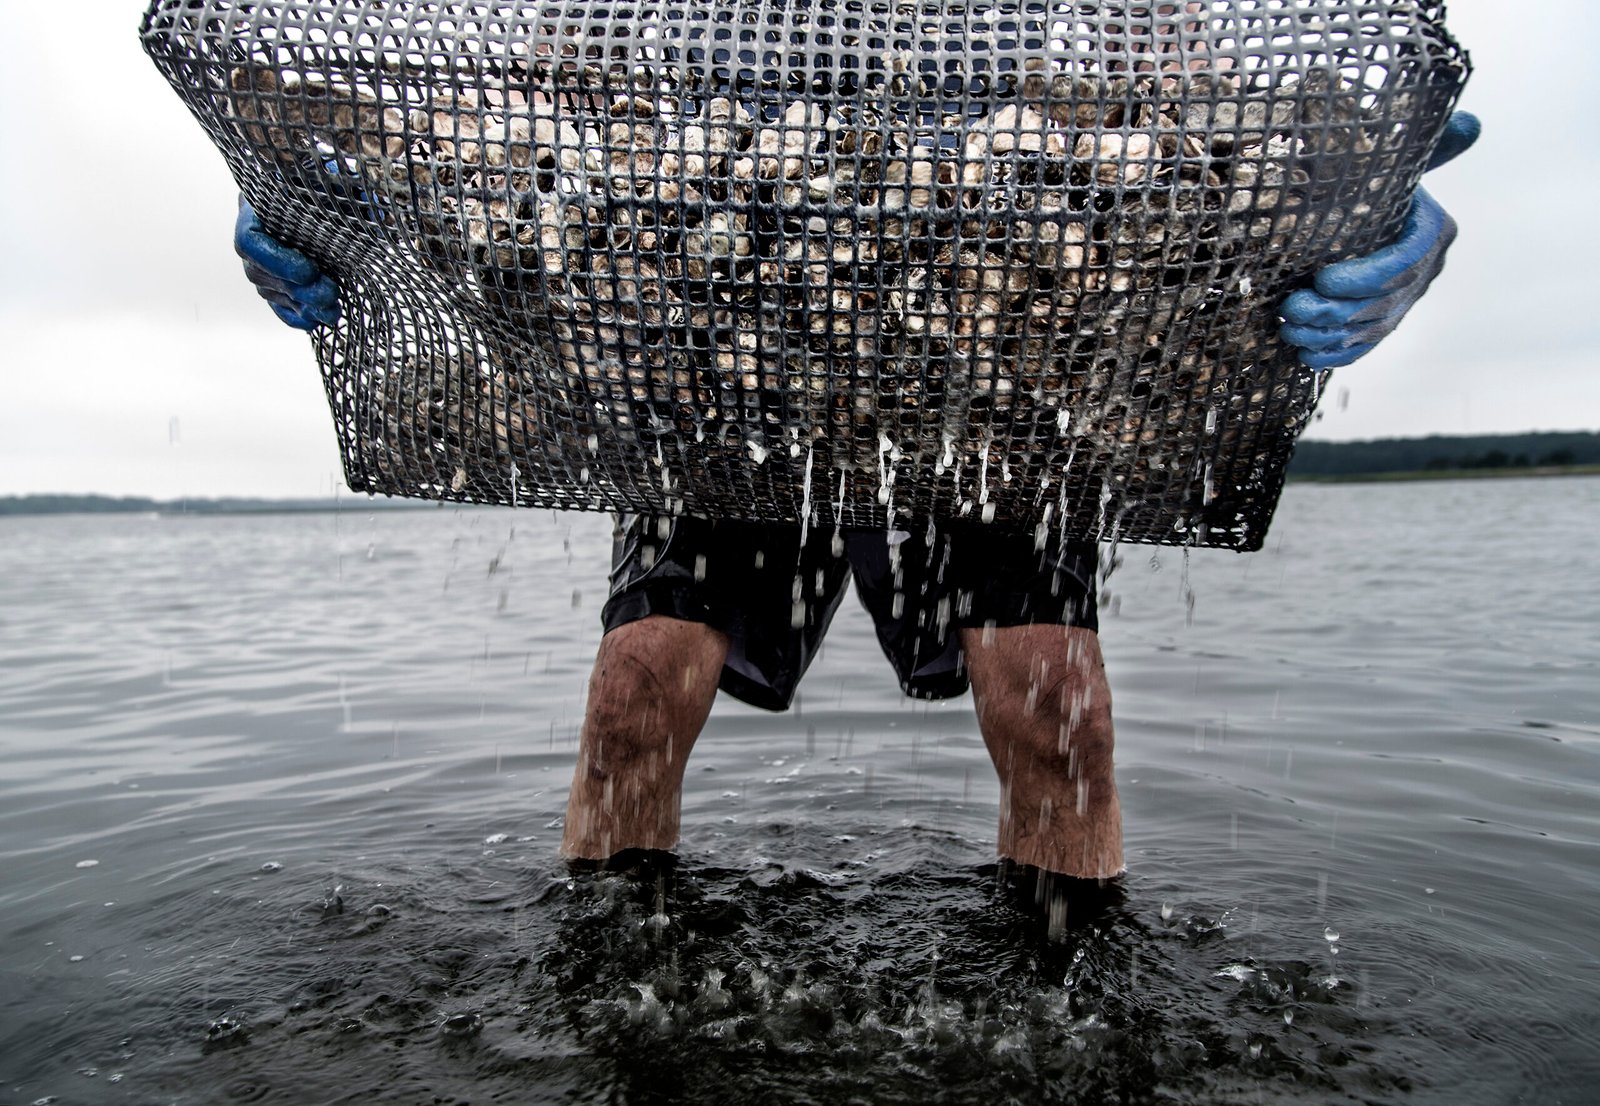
<point x="859" y="262"/>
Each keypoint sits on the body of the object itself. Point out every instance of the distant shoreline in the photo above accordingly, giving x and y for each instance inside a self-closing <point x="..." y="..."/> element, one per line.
<point x="1533" y="471"/>
<point x="1536" y="454"/>
<point x="139" y="505"/>
<point x="1439" y="457"/>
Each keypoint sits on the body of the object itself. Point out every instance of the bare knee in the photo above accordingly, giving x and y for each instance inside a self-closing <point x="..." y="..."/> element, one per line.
<point x="1041" y="693"/>
<point x="652" y="687"/>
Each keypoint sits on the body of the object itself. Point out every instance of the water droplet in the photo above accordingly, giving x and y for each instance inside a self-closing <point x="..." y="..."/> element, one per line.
<point x="1255" y="1050"/>
<point x="96" y="864"/>
<point x="805" y="498"/>
<point x="1166" y="912"/>
<point x="272" y="866"/>
<point x="1288" y="1017"/>
<point x="497" y="839"/>
<point x="1428" y="890"/>
<point x="1330" y="935"/>
<point x="75" y="959"/>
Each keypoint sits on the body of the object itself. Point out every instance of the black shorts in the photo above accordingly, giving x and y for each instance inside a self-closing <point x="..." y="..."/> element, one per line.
<point x="775" y="597"/>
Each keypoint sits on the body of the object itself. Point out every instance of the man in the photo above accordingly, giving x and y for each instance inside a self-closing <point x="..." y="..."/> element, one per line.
<point x="696" y="605"/>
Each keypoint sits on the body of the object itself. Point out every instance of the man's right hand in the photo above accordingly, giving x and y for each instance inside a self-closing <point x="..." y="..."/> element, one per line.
<point x="290" y="281"/>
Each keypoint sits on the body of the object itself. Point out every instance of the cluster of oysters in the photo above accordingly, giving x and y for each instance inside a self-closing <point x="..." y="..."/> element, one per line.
<point x="1069" y="267"/>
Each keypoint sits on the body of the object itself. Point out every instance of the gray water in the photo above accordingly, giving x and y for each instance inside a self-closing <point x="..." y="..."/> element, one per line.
<point x="281" y="796"/>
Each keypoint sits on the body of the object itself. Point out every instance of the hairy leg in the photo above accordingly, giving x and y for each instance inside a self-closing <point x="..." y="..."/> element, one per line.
<point x="1044" y="708"/>
<point x="652" y="687"/>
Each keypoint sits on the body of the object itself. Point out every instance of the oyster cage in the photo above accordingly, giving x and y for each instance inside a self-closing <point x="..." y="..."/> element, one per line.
<point x="859" y="262"/>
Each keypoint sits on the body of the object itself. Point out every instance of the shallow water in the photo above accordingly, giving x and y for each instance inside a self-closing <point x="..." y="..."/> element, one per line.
<point x="281" y="795"/>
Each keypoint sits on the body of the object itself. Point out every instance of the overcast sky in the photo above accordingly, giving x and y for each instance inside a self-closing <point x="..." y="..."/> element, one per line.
<point x="138" y="361"/>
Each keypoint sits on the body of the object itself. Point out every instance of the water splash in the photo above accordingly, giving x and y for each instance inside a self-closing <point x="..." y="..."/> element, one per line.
<point x="920" y="977"/>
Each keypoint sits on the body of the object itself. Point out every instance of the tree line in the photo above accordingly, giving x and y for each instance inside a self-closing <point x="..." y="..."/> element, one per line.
<point x="106" y="504"/>
<point x="1446" y="454"/>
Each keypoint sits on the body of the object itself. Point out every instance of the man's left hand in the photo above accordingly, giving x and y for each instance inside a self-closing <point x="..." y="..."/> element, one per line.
<point x="1355" y="304"/>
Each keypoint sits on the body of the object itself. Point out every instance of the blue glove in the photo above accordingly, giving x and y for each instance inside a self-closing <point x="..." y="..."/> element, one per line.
<point x="286" y="278"/>
<point x="1355" y="304"/>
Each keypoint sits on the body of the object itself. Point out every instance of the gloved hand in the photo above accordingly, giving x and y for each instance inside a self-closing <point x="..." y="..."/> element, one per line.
<point x="286" y="278"/>
<point x="1355" y="304"/>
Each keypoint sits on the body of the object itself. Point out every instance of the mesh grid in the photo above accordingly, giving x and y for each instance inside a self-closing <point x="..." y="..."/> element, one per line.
<point x="862" y="262"/>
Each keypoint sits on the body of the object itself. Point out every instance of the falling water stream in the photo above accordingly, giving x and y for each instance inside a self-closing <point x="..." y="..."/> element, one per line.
<point x="282" y="797"/>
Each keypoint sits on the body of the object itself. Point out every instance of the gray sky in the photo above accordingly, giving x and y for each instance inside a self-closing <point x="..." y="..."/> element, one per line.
<point x="138" y="360"/>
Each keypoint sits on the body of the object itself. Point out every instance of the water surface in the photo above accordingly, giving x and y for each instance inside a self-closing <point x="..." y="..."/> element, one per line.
<point x="280" y="800"/>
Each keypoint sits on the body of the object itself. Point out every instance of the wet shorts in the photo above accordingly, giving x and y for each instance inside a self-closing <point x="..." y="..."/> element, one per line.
<point x="774" y="596"/>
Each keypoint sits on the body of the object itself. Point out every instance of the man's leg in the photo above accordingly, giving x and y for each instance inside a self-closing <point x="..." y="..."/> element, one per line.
<point x="1044" y="708"/>
<point x="649" y="695"/>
